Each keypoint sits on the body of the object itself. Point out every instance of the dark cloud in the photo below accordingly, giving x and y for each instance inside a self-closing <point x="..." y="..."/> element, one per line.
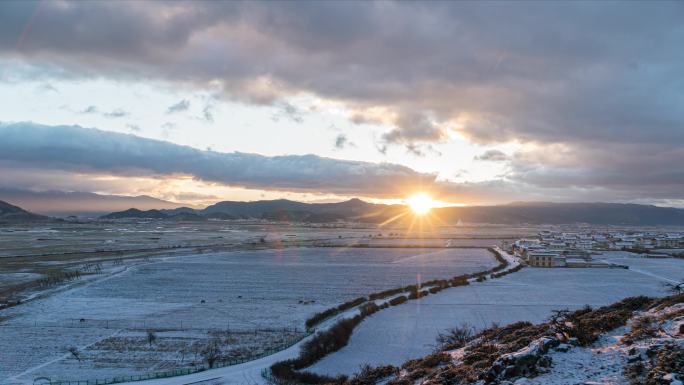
<point x="493" y="155"/>
<point x="341" y="142"/>
<point x="601" y="80"/>
<point x="76" y="149"/>
<point x="182" y="105"/>
<point x="498" y="62"/>
<point x="415" y="127"/>
<point x="288" y="111"/>
<point x="207" y="114"/>
<point x="90" y="110"/>
<point x="414" y="149"/>
<point x="116" y="113"/>
<point x="38" y="157"/>
<point x="648" y="170"/>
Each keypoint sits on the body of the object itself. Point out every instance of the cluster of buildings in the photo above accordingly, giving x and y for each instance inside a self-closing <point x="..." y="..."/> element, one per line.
<point x="646" y="240"/>
<point x="574" y="249"/>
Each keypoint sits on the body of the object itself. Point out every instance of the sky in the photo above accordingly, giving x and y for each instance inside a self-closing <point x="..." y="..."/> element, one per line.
<point x="472" y="102"/>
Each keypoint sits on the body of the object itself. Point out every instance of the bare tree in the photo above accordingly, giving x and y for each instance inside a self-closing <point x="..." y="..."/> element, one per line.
<point x="75" y="353"/>
<point x="151" y="337"/>
<point x="559" y="321"/>
<point x="183" y="352"/>
<point x="675" y="288"/>
<point x="196" y="349"/>
<point x="455" y="338"/>
<point x="212" y="352"/>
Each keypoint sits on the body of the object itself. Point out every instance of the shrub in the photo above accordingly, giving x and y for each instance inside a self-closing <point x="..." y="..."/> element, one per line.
<point x="327" y="341"/>
<point x="370" y="375"/>
<point x="669" y="301"/>
<point x="588" y="325"/>
<point x="398" y="300"/>
<point x="455" y="282"/>
<point x="322" y="344"/>
<point x="674" y="288"/>
<point x="151" y="337"/>
<point x="436" y="282"/>
<point x="318" y="317"/>
<point x="418" y="373"/>
<point x="481" y="354"/>
<point x="418" y="294"/>
<point x="435" y="289"/>
<point x="459" y="374"/>
<point x="212" y="352"/>
<point x="284" y="372"/>
<point x="75" y="353"/>
<point x="350" y="304"/>
<point x="642" y="328"/>
<point x="455" y="338"/>
<point x="436" y="359"/>
<point x="669" y="359"/>
<point x="386" y="293"/>
<point x="368" y="309"/>
<point x="430" y="361"/>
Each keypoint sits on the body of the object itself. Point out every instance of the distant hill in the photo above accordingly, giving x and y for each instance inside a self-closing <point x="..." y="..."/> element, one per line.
<point x="61" y="203"/>
<point x="11" y="213"/>
<point x="515" y="213"/>
<point x="135" y="213"/>
<point x="563" y="213"/>
<point x="186" y="217"/>
<point x="182" y="216"/>
<point x="292" y="211"/>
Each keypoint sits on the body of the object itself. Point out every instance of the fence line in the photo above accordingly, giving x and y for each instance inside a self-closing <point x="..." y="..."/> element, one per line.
<point x="179" y="372"/>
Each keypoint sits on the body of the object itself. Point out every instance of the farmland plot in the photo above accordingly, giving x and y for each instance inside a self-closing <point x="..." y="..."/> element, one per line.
<point x="409" y="331"/>
<point x="425" y="242"/>
<point x="251" y="301"/>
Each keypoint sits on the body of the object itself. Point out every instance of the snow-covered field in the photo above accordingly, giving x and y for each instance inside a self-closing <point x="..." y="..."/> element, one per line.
<point x="408" y="331"/>
<point x="192" y="297"/>
<point x="7" y="279"/>
<point x="427" y="242"/>
<point x="91" y="236"/>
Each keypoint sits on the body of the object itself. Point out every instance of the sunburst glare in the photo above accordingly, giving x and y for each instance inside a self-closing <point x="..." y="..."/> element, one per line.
<point x="421" y="203"/>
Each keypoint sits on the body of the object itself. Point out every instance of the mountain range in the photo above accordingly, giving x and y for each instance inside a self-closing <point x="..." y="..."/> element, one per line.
<point x="86" y="204"/>
<point x="361" y="211"/>
<point x="353" y="210"/>
<point x="11" y="213"/>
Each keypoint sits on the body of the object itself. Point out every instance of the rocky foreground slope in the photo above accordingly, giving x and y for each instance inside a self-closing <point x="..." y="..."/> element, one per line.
<point x="638" y="340"/>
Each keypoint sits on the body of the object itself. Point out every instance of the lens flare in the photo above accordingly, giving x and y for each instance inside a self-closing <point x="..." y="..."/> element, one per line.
<point x="420" y="203"/>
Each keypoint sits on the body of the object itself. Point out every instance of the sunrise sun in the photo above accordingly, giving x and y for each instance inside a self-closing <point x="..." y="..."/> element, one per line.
<point x="421" y="203"/>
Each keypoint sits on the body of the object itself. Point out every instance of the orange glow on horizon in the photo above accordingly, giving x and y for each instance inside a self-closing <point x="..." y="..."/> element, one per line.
<point x="421" y="203"/>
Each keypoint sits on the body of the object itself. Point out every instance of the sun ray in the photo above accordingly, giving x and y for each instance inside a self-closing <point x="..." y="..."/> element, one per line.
<point x="394" y="218"/>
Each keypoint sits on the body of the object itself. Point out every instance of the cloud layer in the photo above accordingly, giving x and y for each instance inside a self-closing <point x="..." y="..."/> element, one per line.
<point x="83" y="150"/>
<point x="592" y="91"/>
